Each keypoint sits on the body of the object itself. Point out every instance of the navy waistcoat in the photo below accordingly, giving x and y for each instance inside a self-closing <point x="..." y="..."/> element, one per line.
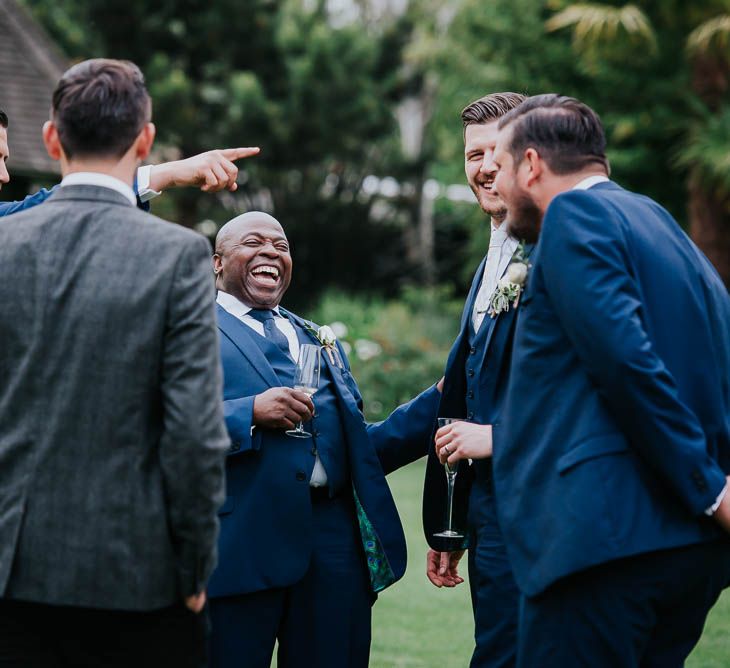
<point x="476" y="404"/>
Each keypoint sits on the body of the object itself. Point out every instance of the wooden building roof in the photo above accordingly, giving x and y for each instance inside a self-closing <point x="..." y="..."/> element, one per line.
<point x="30" y="67"/>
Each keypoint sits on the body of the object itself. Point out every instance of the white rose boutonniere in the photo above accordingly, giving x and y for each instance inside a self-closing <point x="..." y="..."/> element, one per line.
<point x="511" y="285"/>
<point x="326" y="336"/>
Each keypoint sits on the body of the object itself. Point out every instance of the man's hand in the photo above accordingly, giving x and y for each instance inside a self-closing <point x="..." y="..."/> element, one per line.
<point x="463" y="440"/>
<point x="281" y="408"/>
<point x="722" y="514"/>
<point x="442" y="568"/>
<point x="210" y="171"/>
<point x="196" y="602"/>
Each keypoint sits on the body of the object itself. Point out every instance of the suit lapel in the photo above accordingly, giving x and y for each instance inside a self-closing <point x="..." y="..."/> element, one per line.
<point x="335" y="370"/>
<point x="509" y="315"/>
<point x="241" y="336"/>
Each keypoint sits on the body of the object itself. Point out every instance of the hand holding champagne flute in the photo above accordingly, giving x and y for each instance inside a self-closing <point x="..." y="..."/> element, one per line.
<point x="451" y="471"/>
<point x="306" y="379"/>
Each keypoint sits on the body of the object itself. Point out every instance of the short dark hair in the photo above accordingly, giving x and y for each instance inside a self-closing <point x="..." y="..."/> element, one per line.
<point x="3" y="119"/>
<point x="567" y="133"/>
<point x="490" y="108"/>
<point x="99" y="107"/>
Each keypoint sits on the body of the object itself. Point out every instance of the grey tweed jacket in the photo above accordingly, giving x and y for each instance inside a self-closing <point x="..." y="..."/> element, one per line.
<point x="112" y="439"/>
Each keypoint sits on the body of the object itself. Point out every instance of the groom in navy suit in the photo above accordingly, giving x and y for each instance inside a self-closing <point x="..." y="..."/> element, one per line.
<point x="309" y="530"/>
<point x="476" y="378"/>
<point x="613" y="447"/>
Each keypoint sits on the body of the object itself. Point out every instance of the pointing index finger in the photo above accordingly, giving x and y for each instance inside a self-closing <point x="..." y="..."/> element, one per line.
<point x="238" y="153"/>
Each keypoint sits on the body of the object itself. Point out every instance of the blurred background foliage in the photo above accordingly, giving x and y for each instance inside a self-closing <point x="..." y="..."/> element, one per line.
<point x="356" y="103"/>
<point x="396" y="347"/>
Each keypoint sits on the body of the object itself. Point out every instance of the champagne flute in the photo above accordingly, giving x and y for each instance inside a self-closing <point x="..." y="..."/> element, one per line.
<point x="451" y="471"/>
<point x="306" y="379"/>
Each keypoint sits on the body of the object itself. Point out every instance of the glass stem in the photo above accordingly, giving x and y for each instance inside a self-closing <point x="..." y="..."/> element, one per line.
<point x="451" y="478"/>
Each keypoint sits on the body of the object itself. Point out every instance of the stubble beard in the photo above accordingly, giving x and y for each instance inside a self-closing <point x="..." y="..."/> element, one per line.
<point x="496" y="210"/>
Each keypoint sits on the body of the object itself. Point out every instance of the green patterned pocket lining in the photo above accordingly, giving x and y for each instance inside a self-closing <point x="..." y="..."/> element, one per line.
<point x="381" y="574"/>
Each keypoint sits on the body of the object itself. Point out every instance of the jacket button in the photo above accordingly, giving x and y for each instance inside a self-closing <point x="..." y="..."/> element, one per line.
<point x="235" y="447"/>
<point x="313" y="451"/>
<point x="472" y="350"/>
<point x="470" y="416"/>
<point x="315" y="433"/>
<point x="470" y="394"/>
<point x="470" y="373"/>
<point x="301" y="476"/>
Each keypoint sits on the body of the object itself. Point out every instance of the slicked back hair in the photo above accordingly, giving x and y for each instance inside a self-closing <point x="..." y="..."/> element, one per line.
<point x="490" y="108"/>
<point x="566" y="133"/>
<point x="99" y="107"/>
<point x="3" y="119"/>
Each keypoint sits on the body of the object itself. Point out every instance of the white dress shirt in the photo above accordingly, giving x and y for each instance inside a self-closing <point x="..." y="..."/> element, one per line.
<point x="590" y="182"/>
<point x="239" y="310"/>
<point x="102" y="180"/>
<point x="501" y="249"/>
<point x="105" y="181"/>
<point x="144" y="191"/>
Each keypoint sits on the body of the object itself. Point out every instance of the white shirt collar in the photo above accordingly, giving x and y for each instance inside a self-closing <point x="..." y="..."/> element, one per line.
<point x="235" y="306"/>
<point x="103" y="180"/>
<point x="590" y="182"/>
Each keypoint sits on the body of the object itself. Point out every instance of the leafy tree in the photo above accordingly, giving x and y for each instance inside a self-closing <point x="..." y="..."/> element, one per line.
<point x="688" y="53"/>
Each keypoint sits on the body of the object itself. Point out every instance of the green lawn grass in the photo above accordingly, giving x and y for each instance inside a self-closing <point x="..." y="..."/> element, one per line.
<point x="416" y="624"/>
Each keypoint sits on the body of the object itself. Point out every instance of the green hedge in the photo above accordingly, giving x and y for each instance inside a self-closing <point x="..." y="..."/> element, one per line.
<point x="396" y="348"/>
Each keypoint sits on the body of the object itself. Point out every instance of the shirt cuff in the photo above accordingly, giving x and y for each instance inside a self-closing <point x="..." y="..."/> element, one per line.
<point x="711" y="510"/>
<point x="144" y="192"/>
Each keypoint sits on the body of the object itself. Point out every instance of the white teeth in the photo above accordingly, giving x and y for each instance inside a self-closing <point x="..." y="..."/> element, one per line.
<point x="266" y="269"/>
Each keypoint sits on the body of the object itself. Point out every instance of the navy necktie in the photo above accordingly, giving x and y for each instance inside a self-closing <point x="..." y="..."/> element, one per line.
<point x="266" y="317"/>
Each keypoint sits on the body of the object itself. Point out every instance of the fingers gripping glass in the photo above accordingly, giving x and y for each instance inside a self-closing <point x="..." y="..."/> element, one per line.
<point x="306" y="379"/>
<point x="451" y="471"/>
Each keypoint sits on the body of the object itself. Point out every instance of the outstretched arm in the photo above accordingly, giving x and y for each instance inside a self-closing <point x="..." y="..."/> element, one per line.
<point x="211" y="171"/>
<point x="8" y="208"/>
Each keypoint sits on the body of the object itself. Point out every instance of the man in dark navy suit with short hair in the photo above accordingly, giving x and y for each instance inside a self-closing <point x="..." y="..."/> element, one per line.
<point x="612" y="451"/>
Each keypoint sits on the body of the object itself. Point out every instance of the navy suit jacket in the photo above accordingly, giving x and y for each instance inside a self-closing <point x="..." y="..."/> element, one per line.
<point x="266" y="522"/>
<point x="615" y="435"/>
<point x="493" y="373"/>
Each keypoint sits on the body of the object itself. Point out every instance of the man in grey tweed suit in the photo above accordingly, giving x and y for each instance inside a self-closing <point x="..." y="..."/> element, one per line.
<point x="112" y="440"/>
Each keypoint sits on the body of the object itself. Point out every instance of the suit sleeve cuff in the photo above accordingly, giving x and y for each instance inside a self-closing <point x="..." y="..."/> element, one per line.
<point x="144" y="192"/>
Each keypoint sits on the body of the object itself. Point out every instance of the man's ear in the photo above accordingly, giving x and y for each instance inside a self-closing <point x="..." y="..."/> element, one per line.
<point x="52" y="141"/>
<point x="217" y="264"/>
<point x="145" y="139"/>
<point x="534" y="166"/>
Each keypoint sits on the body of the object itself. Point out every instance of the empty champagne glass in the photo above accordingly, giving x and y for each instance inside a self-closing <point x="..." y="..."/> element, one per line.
<point x="451" y="471"/>
<point x="306" y="379"/>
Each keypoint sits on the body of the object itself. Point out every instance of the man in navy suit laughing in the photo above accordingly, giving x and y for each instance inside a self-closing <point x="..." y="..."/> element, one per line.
<point x="611" y="454"/>
<point x="309" y="531"/>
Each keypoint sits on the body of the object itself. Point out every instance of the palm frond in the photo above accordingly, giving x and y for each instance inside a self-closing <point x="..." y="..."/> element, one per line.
<point x="712" y="36"/>
<point x="707" y="151"/>
<point x="599" y="25"/>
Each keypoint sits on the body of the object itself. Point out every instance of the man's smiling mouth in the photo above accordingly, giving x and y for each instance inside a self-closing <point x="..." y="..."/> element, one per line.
<point x="266" y="274"/>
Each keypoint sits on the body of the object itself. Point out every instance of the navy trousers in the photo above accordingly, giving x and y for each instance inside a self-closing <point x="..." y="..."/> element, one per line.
<point x="494" y="594"/>
<point x="646" y="611"/>
<point x="322" y="621"/>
